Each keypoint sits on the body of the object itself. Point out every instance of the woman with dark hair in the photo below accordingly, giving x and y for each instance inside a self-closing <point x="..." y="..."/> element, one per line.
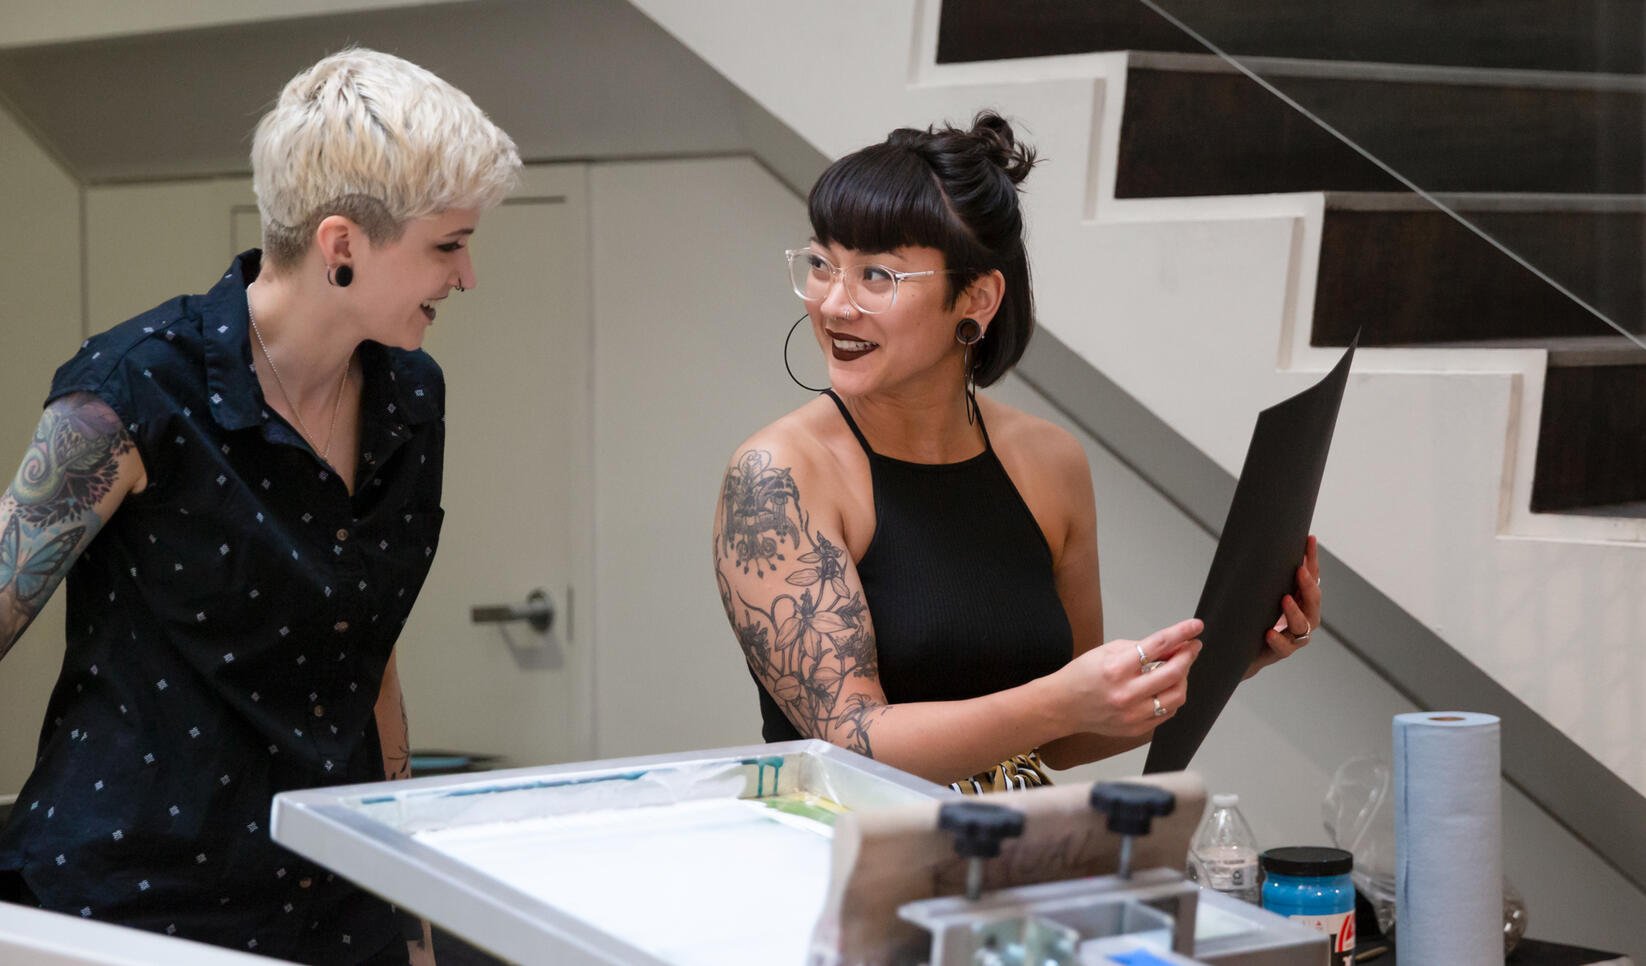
<point x="967" y="529"/>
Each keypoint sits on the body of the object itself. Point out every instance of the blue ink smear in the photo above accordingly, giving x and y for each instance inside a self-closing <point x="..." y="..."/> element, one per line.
<point x="1138" y="957"/>
<point x="775" y="763"/>
<point x="587" y="780"/>
<point x="423" y="763"/>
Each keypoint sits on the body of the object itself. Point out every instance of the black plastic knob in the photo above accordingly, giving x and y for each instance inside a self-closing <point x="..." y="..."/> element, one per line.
<point x="1131" y="807"/>
<point x="979" y="827"/>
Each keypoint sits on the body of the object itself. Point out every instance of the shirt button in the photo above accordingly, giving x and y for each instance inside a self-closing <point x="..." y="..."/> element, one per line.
<point x="340" y="626"/>
<point x="305" y="883"/>
<point x="342" y="535"/>
<point x="319" y="711"/>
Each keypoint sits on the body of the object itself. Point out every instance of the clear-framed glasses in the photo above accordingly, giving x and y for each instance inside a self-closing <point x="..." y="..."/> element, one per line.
<point x="872" y="288"/>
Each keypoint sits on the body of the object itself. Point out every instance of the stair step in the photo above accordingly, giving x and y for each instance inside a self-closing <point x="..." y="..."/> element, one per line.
<point x="1565" y="351"/>
<point x="1591" y="452"/>
<point x="1194" y="126"/>
<point x="1549" y="165"/>
<point x="1590" y="36"/>
<point x="1402" y="272"/>
<point x="1635" y="509"/>
<point x="1405" y="273"/>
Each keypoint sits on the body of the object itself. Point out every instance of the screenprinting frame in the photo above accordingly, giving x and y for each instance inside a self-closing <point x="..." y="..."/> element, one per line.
<point x="367" y="832"/>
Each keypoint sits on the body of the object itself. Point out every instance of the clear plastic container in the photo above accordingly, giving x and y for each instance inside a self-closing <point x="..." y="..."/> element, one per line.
<point x="1223" y="854"/>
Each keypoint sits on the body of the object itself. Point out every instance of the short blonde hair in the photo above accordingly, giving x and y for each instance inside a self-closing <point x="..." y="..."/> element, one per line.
<point x="378" y="140"/>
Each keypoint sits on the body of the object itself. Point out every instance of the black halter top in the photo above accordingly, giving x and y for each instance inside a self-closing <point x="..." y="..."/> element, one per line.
<point x="958" y="579"/>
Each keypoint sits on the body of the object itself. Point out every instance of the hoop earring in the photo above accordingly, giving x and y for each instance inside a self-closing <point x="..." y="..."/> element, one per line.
<point x="786" y="365"/>
<point x="340" y="276"/>
<point x="968" y="333"/>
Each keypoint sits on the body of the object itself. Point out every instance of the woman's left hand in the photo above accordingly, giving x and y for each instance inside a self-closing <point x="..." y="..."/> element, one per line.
<point x="1299" y="614"/>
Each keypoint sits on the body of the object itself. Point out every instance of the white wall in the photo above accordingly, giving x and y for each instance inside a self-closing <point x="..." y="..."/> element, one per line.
<point x="40" y="328"/>
<point x="691" y="307"/>
<point x="125" y="276"/>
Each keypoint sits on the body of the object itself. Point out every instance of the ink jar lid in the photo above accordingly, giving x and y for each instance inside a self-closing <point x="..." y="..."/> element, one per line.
<point x="1307" y="860"/>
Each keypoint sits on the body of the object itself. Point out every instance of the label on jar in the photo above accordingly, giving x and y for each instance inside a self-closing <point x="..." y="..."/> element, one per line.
<point x="1340" y="926"/>
<point x="1230" y="873"/>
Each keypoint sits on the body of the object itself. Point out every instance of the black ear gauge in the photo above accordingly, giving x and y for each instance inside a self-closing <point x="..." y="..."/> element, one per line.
<point x="340" y="276"/>
<point x="967" y="331"/>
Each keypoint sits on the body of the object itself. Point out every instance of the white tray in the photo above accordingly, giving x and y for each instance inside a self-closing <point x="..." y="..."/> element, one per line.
<point x="379" y="835"/>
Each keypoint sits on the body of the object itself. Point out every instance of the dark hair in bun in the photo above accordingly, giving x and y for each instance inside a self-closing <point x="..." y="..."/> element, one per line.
<point x="948" y="189"/>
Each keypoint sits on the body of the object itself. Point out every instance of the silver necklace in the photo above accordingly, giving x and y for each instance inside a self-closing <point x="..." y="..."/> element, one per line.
<point x="337" y="406"/>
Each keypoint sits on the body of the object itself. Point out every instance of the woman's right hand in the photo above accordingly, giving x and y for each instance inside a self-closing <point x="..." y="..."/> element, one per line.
<point x="1106" y="690"/>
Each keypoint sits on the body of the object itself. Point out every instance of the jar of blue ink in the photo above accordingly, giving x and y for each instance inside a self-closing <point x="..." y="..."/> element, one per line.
<point x="1310" y="884"/>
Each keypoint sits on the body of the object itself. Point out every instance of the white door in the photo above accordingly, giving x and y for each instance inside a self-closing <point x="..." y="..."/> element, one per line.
<point x="516" y="353"/>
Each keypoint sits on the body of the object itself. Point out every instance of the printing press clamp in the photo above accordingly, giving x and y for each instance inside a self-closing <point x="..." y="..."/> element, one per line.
<point x="1050" y="877"/>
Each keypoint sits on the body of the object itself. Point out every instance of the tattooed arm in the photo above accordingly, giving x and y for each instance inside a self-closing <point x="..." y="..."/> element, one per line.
<point x="79" y="467"/>
<point x="393" y="727"/>
<point x="394" y="731"/>
<point x="795" y="602"/>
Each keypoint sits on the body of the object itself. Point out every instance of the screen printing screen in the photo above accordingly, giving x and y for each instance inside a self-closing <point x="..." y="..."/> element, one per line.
<point x="717" y="881"/>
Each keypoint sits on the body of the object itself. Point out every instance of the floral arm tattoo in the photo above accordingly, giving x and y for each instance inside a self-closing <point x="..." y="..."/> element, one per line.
<point x="805" y="649"/>
<point x="49" y="511"/>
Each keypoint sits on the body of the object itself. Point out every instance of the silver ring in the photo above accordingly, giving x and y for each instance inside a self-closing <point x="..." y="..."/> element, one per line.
<point x="1159" y="709"/>
<point x="1142" y="659"/>
<point x="1300" y="638"/>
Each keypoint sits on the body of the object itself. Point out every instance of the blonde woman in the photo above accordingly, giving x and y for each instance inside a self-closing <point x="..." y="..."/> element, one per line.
<point x="243" y="488"/>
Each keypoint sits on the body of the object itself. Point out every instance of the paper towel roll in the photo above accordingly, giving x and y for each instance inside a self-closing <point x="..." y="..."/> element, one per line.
<point x="1448" y="839"/>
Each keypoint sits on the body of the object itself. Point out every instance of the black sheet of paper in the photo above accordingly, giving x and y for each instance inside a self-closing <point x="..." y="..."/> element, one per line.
<point x="1257" y="558"/>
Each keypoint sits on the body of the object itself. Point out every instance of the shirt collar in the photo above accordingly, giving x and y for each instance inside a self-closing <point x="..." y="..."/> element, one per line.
<point x="231" y="379"/>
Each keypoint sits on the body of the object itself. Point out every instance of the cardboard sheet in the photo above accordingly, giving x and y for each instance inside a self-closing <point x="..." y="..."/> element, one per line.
<point x="1257" y="557"/>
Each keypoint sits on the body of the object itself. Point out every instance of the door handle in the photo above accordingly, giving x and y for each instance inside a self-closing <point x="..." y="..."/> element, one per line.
<point x="538" y="611"/>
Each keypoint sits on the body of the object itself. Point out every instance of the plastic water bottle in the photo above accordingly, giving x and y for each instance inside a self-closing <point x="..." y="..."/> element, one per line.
<point x="1223" y="855"/>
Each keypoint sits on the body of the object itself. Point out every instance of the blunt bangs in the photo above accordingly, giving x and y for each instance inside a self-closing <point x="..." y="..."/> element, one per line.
<point x="886" y="197"/>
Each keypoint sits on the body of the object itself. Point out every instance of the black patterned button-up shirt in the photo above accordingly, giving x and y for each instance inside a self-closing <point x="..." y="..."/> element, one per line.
<point x="227" y="635"/>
